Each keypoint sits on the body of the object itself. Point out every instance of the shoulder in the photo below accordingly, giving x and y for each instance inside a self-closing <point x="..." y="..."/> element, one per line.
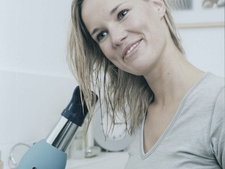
<point x="212" y="82"/>
<point x="215" y="85"/>
<point x="208" y="88"/>
<point x="205" y="96"/>
<point x="218" y="113"/>
<point x="217" y="129"/>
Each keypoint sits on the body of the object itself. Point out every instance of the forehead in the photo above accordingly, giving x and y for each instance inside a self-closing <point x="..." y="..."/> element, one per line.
<point x="97" y="10"/>
<point x="98" y="5"/>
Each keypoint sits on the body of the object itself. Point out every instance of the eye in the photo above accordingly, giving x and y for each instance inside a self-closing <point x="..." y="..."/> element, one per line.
<point x="121" y="14"/>
<point x="101" y="35"/>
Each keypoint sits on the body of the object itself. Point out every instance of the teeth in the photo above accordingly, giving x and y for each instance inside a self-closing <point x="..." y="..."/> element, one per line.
<point x="131" y="48"/>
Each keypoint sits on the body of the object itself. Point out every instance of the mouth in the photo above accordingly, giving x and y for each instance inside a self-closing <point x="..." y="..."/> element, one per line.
<point x="130" y="48"/>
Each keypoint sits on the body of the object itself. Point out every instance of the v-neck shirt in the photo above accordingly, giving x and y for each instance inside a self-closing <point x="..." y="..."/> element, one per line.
<point x="195" y="138"/>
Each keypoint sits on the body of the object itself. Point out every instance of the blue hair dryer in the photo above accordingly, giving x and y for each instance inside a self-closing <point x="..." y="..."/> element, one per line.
<point x="51" y="153"/>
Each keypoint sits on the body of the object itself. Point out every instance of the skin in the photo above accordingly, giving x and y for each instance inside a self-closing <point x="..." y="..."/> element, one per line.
<point x="141" y="23"/>
<point x="121" y="33"/>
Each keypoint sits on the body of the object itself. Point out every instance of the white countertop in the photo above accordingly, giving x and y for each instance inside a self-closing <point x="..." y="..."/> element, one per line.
<point x="109" y="160"/>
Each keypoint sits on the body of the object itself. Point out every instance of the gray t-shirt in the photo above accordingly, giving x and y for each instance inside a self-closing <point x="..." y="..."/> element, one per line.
<point x="195" y="138"/>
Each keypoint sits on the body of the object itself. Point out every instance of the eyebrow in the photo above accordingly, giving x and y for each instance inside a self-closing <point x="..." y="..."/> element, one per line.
<point x="94" y="31"/>
<point x="111" y="12"/>
<point x="114" y="9"/>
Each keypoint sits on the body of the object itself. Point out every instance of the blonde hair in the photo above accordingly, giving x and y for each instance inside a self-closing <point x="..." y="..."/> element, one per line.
<point x="95" y="72"/>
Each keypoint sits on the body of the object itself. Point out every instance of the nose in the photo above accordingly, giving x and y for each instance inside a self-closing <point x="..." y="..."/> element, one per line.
<point x="118" y="35"/>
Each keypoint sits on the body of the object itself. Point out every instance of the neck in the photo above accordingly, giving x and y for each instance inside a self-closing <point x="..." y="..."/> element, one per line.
<point x="172" y="78"/>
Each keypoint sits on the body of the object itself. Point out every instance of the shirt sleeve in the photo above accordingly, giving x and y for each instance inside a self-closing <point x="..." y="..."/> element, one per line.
<point x="217" y="131"/>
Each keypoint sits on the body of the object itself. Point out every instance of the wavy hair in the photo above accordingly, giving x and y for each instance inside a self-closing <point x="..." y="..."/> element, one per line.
<point x="93" y="71"/>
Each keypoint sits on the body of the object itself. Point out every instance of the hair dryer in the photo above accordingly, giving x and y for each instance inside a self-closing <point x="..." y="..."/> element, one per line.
<point x="51" y="153"/>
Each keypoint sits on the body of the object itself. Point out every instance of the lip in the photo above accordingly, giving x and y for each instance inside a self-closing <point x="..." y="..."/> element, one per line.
<point x="133" y="50"/>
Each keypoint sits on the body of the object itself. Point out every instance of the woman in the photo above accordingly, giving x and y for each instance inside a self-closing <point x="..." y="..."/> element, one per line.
<point x="132" y="48"/>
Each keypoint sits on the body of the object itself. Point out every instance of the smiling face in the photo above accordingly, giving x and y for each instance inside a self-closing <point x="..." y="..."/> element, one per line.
<point x="130" y="33"/>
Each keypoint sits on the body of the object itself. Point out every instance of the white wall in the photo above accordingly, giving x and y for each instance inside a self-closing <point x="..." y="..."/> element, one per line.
<point x="205" y="48"/>
<point x="35" y="83"/>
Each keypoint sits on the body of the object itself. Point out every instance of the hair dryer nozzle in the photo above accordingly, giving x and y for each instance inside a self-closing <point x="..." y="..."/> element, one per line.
<point x="76" y="110"/>
<point x="72" y="117"/>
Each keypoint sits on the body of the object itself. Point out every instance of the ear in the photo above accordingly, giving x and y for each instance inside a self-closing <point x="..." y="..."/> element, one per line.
<point x="160" y="7"/>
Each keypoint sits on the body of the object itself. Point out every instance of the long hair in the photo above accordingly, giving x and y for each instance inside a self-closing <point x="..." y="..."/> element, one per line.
<point x="93" y="71"/>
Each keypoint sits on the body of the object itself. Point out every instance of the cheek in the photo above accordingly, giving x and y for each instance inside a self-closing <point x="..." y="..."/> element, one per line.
<point x="108" y="51"/>
<point x="135" y="22"/>
<point x="141" y="18"/>
<point x="111" y="55"/>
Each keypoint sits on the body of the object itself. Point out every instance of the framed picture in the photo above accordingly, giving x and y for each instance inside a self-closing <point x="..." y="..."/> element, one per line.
<point x="198" y="13"/>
